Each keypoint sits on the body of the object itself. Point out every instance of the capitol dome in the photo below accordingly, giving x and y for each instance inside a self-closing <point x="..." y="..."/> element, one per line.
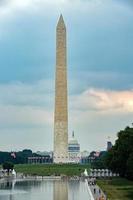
<point x="74" y="150"/>
<point x="73" y="145"/>
<point x="73" y="140"/>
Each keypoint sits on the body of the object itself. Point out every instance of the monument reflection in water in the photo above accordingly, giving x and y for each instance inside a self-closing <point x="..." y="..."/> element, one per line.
<point x="43" y="190"/>
<point x="60" y="190"/>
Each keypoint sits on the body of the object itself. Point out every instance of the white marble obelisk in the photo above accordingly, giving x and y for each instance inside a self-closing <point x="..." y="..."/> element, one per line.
<point x="61" y="110"/>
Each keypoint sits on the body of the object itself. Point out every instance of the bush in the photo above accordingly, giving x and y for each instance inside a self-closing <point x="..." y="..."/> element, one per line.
<point x="8" y="166"/>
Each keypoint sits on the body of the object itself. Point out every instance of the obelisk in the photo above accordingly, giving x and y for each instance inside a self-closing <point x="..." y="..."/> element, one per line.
<point x="61" y="110"/>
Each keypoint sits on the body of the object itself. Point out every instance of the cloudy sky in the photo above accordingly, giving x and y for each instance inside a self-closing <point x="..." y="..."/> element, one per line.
<point x="100" y="71"/>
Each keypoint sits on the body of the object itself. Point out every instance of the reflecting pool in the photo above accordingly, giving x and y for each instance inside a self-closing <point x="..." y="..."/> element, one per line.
<point x="43" y="190"/>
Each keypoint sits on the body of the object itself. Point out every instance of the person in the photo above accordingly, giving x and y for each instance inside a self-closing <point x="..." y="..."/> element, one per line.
<point x="94" y="190"/>
<point x="94" y="180"/>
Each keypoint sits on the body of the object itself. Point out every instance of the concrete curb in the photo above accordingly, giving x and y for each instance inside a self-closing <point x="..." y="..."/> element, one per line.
<point x="89" y="190"/>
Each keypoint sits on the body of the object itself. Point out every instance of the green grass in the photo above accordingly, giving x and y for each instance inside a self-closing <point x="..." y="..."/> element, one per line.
<point x="52" y="169"/>
<point x="117" y="188"/>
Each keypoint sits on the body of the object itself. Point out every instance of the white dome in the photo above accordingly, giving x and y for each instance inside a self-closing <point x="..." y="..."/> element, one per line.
<point x="73" y="141"/>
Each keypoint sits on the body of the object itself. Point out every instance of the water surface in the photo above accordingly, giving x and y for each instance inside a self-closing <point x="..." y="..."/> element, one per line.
<point x="43" y="190"/>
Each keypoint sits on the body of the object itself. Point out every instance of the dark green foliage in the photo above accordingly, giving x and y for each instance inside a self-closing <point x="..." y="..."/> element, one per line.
<point x="8" y="166"/>
<point x="5" y="156"/>
<point x="130" y="166"/>
<point x="99" y="163"/>
<point x="120" y="157"/>
<point x="21" y="157"/>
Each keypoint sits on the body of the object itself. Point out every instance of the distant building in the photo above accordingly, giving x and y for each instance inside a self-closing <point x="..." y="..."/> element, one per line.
<point x="41" y="157"/>
<point x="109" y="145"/>
<point x="45" y="153"/>
<point x="84" y="157"/>
<point x="85" y="154"/>
<point x="40" y="160"/>
<point x="74" y="150"/>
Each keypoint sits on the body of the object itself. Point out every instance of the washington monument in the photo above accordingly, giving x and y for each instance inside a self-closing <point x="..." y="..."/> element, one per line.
<point x="61" y="110"/>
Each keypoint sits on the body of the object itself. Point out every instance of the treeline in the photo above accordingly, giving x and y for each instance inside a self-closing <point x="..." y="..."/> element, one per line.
<point x="119" y="159"/>
<point x="20" y="157"/>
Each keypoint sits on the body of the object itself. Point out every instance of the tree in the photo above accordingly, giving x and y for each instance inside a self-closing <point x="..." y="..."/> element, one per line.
<point x="119" y="158"/>
<point x="8" y="166"/>
<point x="130" y="167"/>
<point x="99" y="162"/>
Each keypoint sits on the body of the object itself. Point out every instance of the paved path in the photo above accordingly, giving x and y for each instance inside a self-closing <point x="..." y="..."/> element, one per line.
<point x="97" y="193"/>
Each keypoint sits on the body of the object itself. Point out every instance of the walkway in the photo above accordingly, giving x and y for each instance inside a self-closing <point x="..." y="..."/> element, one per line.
<point x="96" y="192"/>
